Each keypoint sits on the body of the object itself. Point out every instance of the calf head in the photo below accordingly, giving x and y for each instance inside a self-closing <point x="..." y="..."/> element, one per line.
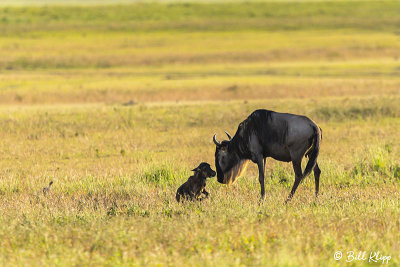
<point x="204" y="169"/>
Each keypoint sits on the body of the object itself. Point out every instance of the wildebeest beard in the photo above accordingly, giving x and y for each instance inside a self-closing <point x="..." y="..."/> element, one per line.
<point x="234" y="172"/>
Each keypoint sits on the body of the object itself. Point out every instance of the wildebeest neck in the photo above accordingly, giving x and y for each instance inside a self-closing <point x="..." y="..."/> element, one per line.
<point x="199" y="176"/>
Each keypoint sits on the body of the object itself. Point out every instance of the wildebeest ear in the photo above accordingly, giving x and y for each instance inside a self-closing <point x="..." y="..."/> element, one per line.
<point x="195" y="169"/>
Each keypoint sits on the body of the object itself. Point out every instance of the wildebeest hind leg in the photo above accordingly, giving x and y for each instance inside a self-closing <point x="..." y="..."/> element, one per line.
<point x="298" y="177"/>
<point x="317" y="173"/>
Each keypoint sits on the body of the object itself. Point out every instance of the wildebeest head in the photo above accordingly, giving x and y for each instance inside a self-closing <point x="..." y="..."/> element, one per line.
<point x="228" y="164"/>
<point x="205" y="170"/>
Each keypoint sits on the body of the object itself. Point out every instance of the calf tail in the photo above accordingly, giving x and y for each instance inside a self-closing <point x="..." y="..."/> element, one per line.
<point x="313" y="151"/>
<point x="179" y="194"/>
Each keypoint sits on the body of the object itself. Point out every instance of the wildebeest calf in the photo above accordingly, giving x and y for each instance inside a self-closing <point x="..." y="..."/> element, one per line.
<point x="194" y="187"/>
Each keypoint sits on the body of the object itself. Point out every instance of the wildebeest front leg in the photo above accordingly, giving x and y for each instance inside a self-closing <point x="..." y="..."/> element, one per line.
<point x="298" y="177"/>
<point x="265" y="161"/>
<point x="261" y="176"/>
<point x="265" y="164"/>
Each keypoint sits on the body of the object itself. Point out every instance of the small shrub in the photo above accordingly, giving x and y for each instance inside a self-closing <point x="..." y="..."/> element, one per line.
<point x="112" y="211"/>
<point x="360" y="169"/>
<point x="377" y="166"/>
<point x="136" y="211"/>
<point x="282" y="176"/>
<point x="395" y="170"/>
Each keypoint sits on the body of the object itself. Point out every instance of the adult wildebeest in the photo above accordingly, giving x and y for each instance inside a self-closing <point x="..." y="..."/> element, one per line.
<point x="281" y="136"/>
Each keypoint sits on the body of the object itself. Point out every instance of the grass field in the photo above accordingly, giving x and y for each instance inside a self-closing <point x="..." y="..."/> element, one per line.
<point x="116" y="103"/>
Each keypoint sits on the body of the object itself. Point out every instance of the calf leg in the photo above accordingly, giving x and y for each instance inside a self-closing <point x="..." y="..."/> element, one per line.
<point x="205" y="193"/>
<point x="298" y="177"/>
<point x="191" y="195"/>
<point x="317" y="173"/>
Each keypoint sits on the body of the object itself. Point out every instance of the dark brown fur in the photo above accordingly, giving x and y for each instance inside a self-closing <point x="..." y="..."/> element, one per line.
<point x="194" y="187"/>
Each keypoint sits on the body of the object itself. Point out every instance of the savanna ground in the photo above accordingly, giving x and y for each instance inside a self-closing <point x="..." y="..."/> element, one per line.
<point x="116" y="104"/>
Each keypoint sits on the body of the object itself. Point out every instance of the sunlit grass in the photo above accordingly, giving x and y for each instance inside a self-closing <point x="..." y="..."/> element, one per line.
<point x="196" y="83"/>
<point x="116" y="104"/>
<point x="87" y="49"/>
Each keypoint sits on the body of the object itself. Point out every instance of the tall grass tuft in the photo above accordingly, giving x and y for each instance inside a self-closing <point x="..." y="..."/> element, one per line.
<point x="377" y="166"/>
<point x="164" y="174"/>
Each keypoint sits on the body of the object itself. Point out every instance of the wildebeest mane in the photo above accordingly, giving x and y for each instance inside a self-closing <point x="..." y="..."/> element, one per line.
<point x="255" y="126"/>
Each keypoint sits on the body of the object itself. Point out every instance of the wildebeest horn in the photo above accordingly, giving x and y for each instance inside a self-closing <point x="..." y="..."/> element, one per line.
<point x="229" y="136"/>
<point x="215" y="140"/>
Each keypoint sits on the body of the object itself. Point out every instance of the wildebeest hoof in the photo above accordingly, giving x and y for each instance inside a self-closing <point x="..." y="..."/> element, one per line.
<point x="286" y="201"/>
<point x="261" y="200"/>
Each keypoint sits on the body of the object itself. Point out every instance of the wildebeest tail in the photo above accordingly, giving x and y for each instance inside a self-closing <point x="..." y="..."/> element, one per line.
<point x="313" y="151"/>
